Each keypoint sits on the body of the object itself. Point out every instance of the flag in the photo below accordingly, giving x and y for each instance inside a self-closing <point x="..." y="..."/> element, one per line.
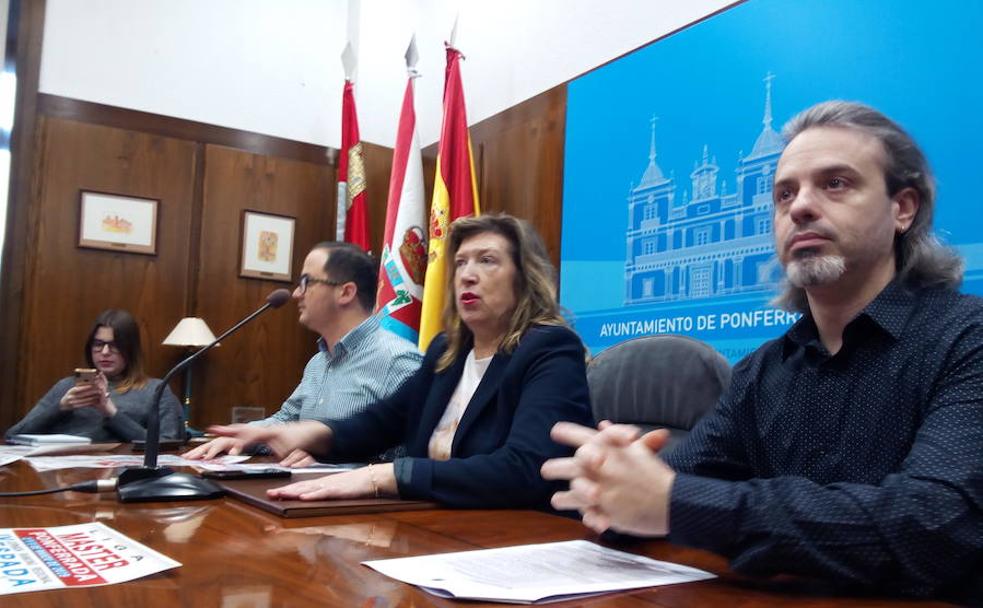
<point x="455" y="194"/>
<point x="353" y="215"/>
<point x="404" y="245"/>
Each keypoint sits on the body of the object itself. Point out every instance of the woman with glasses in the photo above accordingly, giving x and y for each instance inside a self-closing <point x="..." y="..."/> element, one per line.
<point x="475" y="418"/>
<point x="115" y="404"/>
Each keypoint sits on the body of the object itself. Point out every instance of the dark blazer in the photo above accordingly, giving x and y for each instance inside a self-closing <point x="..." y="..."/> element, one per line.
<point x="503" y="438"/>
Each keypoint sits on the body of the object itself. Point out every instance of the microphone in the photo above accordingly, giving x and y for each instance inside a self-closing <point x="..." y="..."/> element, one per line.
<point x="153" y="483"/>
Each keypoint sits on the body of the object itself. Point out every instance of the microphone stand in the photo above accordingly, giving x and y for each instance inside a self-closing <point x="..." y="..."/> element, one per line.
<point x="151" y="483"/>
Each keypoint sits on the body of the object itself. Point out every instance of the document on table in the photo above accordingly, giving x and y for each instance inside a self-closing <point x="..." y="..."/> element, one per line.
<point x="83" y="555"/>
<point x="112" y="461"/>
<point x="529" y="574"/>
<point x="6" y="459"/>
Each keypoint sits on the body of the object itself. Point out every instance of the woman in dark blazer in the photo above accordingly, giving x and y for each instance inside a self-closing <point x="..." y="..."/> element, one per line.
<point x="475" y="418"/>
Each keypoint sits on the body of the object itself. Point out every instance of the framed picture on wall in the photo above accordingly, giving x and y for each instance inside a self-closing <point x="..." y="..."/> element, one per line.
<point x="117" y="222"/>
<point x="267" y="246"/>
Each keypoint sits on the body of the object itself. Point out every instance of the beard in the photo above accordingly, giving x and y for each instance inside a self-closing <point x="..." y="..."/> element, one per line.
<point x="810" y="270"/>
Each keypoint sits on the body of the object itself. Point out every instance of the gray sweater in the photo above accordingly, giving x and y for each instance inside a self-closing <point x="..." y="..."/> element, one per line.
<point x="129" y="423"/>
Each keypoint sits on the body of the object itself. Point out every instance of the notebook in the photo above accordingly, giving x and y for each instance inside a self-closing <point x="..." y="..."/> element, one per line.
<point x="28" y="439"/>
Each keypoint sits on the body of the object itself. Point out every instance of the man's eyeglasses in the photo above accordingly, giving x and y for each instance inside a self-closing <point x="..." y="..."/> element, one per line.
<point x="98" y="345"/>
<point x="306" y="280"/>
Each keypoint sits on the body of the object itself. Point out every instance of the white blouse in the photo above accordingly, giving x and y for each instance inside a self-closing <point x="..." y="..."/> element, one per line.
<point x="443" y="435"/>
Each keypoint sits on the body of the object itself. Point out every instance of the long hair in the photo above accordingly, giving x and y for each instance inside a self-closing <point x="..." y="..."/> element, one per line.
<point x="535" y="283"/>
<point x="920" y="258"/>
<point x="126" y="336"/>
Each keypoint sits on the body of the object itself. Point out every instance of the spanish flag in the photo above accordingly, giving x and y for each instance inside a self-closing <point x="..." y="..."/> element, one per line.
<point x="455" y="194"/>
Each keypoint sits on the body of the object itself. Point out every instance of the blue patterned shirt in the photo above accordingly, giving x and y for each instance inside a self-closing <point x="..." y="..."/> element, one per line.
<point x="368" y="364"/>
<point x="863" y="468"/>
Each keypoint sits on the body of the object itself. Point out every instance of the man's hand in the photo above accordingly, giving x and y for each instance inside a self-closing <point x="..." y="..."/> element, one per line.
<point x="216" y="447"/>
<point x="282" y="439"/>
<point x="616" y="480"/>
<point x="361" y="483"/>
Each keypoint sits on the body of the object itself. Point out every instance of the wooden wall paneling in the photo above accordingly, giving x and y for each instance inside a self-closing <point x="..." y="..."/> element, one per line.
<point x="66" y="286"/>
<point x="518" y="155"/>
<point x="263" y="363"/>
<point x="429" y="173"/>
<point x="519" y="160"/>
<point x="378" y="166"/>
<point x="158" y="124"/>
<point x="194" y="254"/>
<point x="26" y="56"/>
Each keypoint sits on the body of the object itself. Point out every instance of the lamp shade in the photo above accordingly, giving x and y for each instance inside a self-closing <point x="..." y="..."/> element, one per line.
<point x="190" y="331"/>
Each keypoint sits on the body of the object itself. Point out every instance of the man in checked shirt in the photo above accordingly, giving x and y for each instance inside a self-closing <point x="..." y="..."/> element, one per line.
<point x="358" y="363"/>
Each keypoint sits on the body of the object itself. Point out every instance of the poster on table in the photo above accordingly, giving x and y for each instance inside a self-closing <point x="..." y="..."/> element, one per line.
<point x="671" y="151"/>
<point x="64" y="557"/>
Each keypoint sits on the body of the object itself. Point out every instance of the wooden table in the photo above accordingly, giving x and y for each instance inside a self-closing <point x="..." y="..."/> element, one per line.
<point x="237" y="556"/>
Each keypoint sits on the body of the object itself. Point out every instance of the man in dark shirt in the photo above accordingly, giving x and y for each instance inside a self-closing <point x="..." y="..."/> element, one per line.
<point x="851" y="448"/>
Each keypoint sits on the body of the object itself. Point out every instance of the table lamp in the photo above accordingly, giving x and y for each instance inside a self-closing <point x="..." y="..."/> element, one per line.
<point x="190" y="332"/>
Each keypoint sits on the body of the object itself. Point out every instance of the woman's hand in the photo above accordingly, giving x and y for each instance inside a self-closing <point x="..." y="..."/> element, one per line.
<point x="368" y="482"/>
<point x="308" y="435"/>
<point x="79" y="396"/>
<point x="104" y="404"/>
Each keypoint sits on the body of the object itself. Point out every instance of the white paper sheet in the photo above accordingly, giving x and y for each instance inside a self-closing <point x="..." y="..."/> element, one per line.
<point x="84" y="555"/>
<point x="112" y="461"/>
<point x="534" y="573"/>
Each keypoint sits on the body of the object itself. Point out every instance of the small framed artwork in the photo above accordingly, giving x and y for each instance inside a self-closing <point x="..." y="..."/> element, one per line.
<point x="117" y="223"/>
<point x="267" y="246"/>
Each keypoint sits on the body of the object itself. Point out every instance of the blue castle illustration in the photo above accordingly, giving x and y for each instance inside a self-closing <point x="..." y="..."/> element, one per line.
<point x="712" y="243"/>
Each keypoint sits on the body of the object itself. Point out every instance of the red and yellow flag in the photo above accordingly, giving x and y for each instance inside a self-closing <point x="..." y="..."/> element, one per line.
<point x="455" y="194"/>
<point x="353" y="215"/>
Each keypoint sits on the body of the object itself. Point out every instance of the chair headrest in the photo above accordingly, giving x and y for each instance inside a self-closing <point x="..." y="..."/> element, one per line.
<point x="663" y="380"/>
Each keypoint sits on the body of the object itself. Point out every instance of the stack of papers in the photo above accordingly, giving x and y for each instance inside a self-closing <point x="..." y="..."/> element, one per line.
<point x="27" y="439"/>
<point x="529" y="574"/>
<point x="13" y="453"/>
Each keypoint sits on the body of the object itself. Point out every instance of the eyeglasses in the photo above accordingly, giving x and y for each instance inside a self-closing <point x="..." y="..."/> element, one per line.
<point x="98" y="345"/>
<point x="306" y="280"/>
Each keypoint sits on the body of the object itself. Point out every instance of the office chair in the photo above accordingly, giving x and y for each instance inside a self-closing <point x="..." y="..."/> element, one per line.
<point x="662" y="381"/>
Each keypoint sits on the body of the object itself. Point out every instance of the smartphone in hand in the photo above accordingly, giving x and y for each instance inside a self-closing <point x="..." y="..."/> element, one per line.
<point x="85" y="375"/>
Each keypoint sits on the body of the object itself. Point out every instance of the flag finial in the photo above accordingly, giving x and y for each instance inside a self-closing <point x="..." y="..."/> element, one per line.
<point x="412" y="57"/>
<point x="349" y="61"/>
<point x="453" y="41"/>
